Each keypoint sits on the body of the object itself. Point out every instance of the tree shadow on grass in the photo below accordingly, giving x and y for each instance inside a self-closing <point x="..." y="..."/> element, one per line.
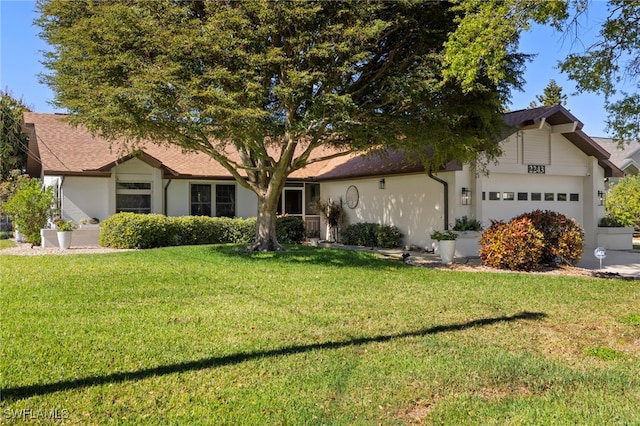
<point x="22" y="392"/>
<point x="309" y="255"/>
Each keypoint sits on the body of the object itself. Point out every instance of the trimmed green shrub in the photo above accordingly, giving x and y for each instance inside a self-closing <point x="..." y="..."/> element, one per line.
<point x="132" y="230"/>
<point x="516" y="245"/>
<point x="237" y="231"/>
<point x="371" y="235"/>
<point x="290" y="229"/>
<point x="562" y="236"/>
<point x="194" y="230"/>
<point x="359" y="234"/>
<point x="388" y="236"/>
<point x="5" y="235"/>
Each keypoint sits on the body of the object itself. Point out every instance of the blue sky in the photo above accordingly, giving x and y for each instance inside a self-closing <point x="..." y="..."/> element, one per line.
<point x="20" y="65"/>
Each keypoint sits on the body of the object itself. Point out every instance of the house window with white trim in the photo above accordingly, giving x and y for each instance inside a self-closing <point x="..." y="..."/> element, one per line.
<point x="133" y="197"/>
<point x="202" y="203"/>
<point x="225" y="200"/>
<point x="200" y="200"/>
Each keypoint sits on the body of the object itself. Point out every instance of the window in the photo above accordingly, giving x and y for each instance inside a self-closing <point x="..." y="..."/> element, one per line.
<point x="293" y="201"/>
<point x="536" y="196"/>
<point x="312" y="195"/>
<point x="133" y="197"/>
<point x="548" y="196"/>
<point x="574" y="197"/>
<point x="508" y="196"/>
<point x="523" y="196"/>
<point x="225" y="200"/>
<point x="494" y="196"/>
<point x="200" y="200"/>
<point x="562" y="196"/>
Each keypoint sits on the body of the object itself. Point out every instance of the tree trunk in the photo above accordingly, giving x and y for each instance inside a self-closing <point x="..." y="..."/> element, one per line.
<point x="266" y="239"/>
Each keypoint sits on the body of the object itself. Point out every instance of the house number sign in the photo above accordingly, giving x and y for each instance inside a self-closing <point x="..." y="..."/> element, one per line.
<point x="536" y="169"/>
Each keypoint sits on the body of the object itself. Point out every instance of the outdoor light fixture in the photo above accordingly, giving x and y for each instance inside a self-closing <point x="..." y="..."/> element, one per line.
<point x="600" y="198"/>
<point x="466" y="196"/>
<point x="381" y="184"/>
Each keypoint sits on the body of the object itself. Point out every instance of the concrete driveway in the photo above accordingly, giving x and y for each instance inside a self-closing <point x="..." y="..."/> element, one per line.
<point x="623" y="262"/>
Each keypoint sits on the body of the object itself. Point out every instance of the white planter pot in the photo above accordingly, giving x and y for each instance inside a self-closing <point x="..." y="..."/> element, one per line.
<point x="447" y="249"/>
<point x="64" y="239"/>
<point x="18" y="236"/>
<point x="468" y="243"/>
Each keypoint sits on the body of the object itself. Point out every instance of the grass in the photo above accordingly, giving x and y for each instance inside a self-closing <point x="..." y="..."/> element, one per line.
<point x="213" y="335"/>
<point x="7" y="244"/>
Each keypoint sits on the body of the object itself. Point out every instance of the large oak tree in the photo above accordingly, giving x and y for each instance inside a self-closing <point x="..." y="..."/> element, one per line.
<point x="276" y="81"/>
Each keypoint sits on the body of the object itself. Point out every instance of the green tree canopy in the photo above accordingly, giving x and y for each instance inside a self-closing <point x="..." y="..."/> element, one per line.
<point x="551" y="95"/>
<point x="612" y="59"/>
<point x="275" y="81"/>
<point x="13" y="143"/>
<point x="623" y="201"/>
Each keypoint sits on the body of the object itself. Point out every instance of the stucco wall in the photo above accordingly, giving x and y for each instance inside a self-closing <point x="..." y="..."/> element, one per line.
<point x="179" y="190"/>
<point x="413" y="203"/>
<point x="85" y="198"/>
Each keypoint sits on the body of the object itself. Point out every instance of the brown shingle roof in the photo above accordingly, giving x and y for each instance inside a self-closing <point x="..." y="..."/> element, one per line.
<point x="60" y="149"/>
<point x="65" y="150"/>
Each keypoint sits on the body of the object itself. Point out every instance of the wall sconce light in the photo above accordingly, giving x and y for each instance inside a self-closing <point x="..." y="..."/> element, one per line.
<point x="381" y="184"/>
<point x="600" y="198"/>
<point x="466" y="196"/>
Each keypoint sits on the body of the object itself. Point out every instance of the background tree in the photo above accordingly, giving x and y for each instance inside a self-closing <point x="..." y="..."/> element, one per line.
<point x="30" y="208"/>
<point x="10" y="184"/>
<point x="277" y="81"/>
<point x="13" y="143"/>
<point x="551" y="95"/>
<point x="613" y="58"/>
<point x="623" y="201"/>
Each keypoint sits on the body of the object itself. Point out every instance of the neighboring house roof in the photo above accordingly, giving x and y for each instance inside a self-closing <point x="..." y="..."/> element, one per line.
<point x="57" y="148"/>
<point x="625" y="157"/>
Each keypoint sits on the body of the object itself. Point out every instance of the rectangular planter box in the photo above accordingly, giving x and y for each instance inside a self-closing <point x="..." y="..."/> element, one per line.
<point x="79" y="238"/>
<point x="468" y="243"/>
<point x="615" y="238"/>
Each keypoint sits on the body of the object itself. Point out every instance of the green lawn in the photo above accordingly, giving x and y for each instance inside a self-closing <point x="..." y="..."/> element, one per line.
<point x="213" y="335"/>
<point x="7" y="244"/>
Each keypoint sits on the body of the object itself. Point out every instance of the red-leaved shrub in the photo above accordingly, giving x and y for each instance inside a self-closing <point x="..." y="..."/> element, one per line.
<point x="516" y="245"/>
<point x="562" y="236"/>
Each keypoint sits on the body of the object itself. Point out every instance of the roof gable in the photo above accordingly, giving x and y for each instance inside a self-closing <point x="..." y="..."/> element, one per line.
<point x="562" y="121"/>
